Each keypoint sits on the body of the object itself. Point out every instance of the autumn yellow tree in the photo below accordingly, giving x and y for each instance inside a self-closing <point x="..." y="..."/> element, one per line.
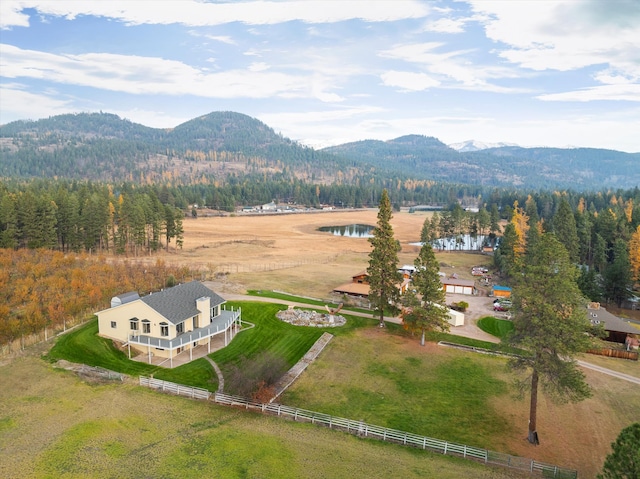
<point x="520" y="222"/>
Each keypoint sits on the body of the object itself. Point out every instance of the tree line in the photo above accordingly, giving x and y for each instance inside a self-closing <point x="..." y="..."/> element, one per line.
<point x="88" y="217"/>
<point x="604" y="243"/>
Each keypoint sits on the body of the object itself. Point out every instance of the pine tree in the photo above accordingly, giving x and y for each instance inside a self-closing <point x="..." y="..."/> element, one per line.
<point x="617" y="275"/>
<point x="384" y="277"/>
<point x="564" y="226"/>
<point x="430" y="312"/>
<point x="634" y="254"/>
<point x="624" y="460"/>
<point x="550" y="322"/>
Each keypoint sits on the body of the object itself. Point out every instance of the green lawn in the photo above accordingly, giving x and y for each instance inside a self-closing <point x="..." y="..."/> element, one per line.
<point x="382" y="382"/>
<point x="300" y="299"/>
<point x="289" y="342"/>
<point x="53" y="425"/>
<point x="494" y="326"/>
<point x="279" y="339"/>
<point x="84" y="346"/>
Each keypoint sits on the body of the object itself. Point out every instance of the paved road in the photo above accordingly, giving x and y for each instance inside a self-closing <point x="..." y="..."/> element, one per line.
<point x="457" y="331"/>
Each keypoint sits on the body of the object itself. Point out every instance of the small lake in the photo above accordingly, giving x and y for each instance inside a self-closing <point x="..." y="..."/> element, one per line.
<point x="351" y="231"/>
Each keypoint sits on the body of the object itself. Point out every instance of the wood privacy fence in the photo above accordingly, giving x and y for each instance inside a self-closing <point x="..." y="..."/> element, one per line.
<point x="615" y="353"/>
<point x="362" y="429"/>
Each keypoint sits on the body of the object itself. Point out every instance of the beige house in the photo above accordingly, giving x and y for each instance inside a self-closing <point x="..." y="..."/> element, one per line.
<point x="169" y="322"/>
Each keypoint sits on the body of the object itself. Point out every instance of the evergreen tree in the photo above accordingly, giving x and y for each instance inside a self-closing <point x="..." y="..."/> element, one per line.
<point x="426" y="233"/>
<point x="431" y="311"/>
<point x="505" y="258"/>
<point x="600" y="253"/>
<point x="584" y="227"/>
<point x="495" y="219"/>
<point x="8" y="221"/>
<point x="484" y="220"/>
<point x="588" y="284"/>
<point x="624" y="460"/>
<point x="384" y="277"/>
<point x="634" y="254"/>
<point x="617" y="275"/>
<point x="550" y="322"/>
<point x="564" y="226"/>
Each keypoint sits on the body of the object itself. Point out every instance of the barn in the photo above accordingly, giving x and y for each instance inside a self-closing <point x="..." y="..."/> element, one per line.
<point x="460" y="286"/>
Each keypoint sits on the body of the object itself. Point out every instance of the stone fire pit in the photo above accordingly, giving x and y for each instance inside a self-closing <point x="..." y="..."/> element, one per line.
<point x="299" y="317"/>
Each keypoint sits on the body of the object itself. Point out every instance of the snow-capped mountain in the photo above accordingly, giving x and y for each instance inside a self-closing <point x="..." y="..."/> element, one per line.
<point x="473" y="145"/>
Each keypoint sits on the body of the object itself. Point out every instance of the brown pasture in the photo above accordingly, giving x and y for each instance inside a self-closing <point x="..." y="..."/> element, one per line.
<point x="287" y="252"/>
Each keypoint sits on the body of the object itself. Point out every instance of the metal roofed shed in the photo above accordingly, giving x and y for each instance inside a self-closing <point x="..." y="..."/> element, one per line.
<point x="501" y="291"/>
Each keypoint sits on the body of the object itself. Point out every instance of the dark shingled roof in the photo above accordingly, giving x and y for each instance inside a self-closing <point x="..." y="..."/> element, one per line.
<point x="179" y="303"/>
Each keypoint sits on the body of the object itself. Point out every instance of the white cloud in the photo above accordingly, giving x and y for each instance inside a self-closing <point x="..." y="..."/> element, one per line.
<point x="197" y="13"/>
<point x="618" y="92"/>
<point x="409" y="81"/>
<point x="447" y="25"/>
<point x="18" y="103"/>
<point x="148" y="75"/>
<point x="258" y="67"/>
<point x="563" y="36"/>
<point x="223" y="39"/>
<point x="452" y="69"/>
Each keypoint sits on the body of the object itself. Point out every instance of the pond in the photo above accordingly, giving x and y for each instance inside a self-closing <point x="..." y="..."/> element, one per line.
<point x="463" y="243"/>
<point x="351" y="231"/>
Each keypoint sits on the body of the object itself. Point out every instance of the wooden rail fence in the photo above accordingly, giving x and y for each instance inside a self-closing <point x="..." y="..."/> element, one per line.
<point x="363" y="429"/>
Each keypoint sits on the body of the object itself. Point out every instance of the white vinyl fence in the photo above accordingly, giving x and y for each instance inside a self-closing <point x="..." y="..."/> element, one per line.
<point x="362" y="429"/>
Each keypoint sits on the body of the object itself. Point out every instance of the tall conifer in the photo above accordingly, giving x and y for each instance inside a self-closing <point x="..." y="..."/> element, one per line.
<point x="384" y="277"/>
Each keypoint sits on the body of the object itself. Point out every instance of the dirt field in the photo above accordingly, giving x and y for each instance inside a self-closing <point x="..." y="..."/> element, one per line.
<point x="287" y="252"/>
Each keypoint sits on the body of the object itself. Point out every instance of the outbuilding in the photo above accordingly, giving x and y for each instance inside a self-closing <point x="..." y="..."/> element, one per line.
<point x="459" y="286"/>
<point x="456" y="318"/>
<point x="501" y="291"/>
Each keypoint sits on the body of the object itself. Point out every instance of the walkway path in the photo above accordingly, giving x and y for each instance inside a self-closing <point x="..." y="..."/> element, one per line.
<point x="290" y="376"/>
<point x="609" y="372"/>
<point x="219" y="373"/>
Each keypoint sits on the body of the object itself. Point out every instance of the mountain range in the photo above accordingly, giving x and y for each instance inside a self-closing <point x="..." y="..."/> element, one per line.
<point x="102" y="146"/>
<point x="475" y="145"/>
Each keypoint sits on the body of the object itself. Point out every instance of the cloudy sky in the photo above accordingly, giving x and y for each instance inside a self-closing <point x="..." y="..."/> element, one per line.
<point x="554" y="73"/>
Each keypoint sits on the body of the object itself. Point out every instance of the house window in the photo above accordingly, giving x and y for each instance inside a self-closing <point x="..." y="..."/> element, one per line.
<point x="134" y="324"/>
<point x="146" y="326"/>
<point x="114" y="325"/>
<point x="180" y="328"/>
<point x="164" y="329"/>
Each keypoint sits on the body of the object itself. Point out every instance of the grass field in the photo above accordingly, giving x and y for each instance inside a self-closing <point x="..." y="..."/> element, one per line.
<point x="53" y="425"/>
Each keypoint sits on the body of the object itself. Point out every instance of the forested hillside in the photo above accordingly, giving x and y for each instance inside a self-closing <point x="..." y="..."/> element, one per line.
<point x="509" y="166"/>
<point x="217" y="147"/>
<point x="101" y="146"/>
